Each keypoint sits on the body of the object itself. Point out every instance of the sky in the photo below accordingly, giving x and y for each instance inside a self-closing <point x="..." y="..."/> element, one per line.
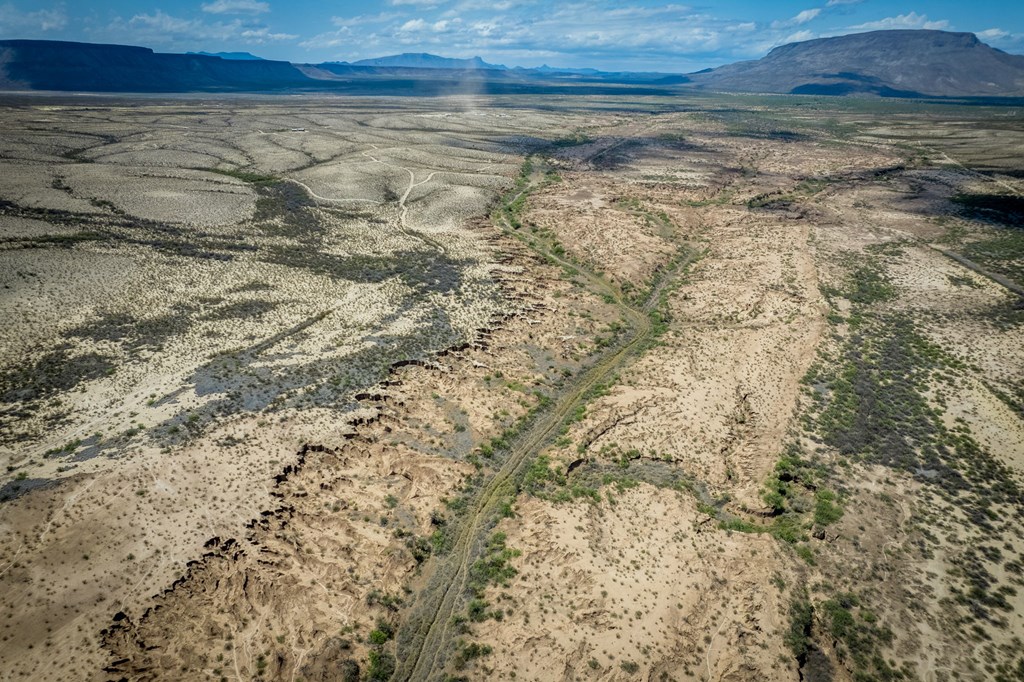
<point x="635" y="35"/>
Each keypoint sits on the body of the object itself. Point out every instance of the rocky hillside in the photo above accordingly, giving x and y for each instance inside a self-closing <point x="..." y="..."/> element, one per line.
<point x="886" y="63"/>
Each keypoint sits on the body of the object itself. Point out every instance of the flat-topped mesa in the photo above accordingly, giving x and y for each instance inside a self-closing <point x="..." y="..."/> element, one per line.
<point x="58" y="65"/>
<point x="902" y="63"/>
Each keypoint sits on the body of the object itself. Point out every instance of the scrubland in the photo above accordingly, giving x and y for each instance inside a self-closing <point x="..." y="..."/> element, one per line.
<point x="585" y="388"/>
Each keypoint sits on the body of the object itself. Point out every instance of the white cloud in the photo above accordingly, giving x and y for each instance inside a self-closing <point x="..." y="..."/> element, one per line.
<point x="611" y="34"/>
<point x="834" y="3"/>
<point x="160" y="28"/>
<point x="909" y="20"/>
<point x="484" y="28"/>
<point x="340" y="38"/>
<point x="344" y="36"/>
<point x="1002" y="39"/>
<point x="13" y="21"/>
<point x="806" y="15"/>
<point x="993" y="34"/>
<point x="264" y="35"/>
<point x="412" y="25"/>
<point x="236" y="7"/>
<point x="362" y="19"/>
<point x="165" y="23"/>
<point x="801" y="18"/>
<point x="490" y="5"/>
<point x="798" y="37"/>
<point x="637" y="12"/>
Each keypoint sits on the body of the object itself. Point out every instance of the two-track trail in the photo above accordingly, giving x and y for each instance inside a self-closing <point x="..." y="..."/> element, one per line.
<point x="426" y="635"/>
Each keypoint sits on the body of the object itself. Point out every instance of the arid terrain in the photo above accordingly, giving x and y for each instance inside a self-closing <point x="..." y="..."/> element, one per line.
<point x="566" y="388"/>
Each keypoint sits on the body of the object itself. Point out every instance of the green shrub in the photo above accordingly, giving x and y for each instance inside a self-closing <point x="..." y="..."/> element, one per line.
<point x="825" y="510"/>
<point x="382" y="666"/>
<point x="801" y="613"/>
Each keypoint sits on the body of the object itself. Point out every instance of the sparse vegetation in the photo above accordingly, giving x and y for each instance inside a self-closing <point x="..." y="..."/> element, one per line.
<point x="414" y="433"/>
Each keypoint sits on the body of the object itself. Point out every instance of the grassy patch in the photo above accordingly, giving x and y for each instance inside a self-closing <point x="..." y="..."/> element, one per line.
<point x="468" y="652"/>
<point x="859" y="637"/>
<point x="797" y="497"/>
<point x="381" y="666"/>
<point x="493" y="568"/>
<point x="1003" y="209"/>
<point x="798" y="636"/>
<point x="881" y="401"/>
<point x="574" y="139"/>
<point x="55" y="372"/>
<point x="1002" y="252"/>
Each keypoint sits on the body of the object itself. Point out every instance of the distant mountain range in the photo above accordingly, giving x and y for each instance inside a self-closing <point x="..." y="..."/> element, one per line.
<point x="243" y="56"/>
<point x="421" y="60"/>
<point x="880" y="63"/>
<point x="89" y="67"/>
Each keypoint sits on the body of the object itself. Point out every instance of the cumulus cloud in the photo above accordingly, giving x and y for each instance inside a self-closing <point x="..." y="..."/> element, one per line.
<point x="412" y="25"/>
<point x="582" y="33"/>
<point x="798" y="37"/>
<point x="159" y="21"/>
<point x="909" y="20"/>
<point x="342" y="37"/>
<point x="806" y="15"/>
<point x="14" y="21"/>
<point x="261" y="36"/>
<point x="993" y="34"/>
<point x="236" y="7"/>
<point x="362" y="19"/>
<point x="801" y="18"/>
<point x="613" y="34"/>
<point x="1003" y="39"/>
<point x="492" y="5"/>
<point x="160" y="28"/>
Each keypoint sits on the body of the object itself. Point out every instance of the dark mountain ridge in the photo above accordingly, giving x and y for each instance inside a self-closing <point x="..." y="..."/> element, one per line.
<point x="902" y="63"/>
<point x="230" y="55"/>
<point x="899" y="63"/>
<point x="54" y="65"/>
<point x="88" y="67"/>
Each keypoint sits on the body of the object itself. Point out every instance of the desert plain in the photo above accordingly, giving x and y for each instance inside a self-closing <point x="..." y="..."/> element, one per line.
<point x="714" y="387"/>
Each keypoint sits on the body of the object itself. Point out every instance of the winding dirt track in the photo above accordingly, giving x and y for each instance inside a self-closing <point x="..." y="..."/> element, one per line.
<point x="423" y="644"/>
<point x="403" y="223"/>
<point x="404" y="209"/>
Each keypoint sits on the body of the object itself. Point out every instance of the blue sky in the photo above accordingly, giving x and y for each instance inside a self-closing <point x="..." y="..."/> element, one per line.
<point x="635" y="35"/>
